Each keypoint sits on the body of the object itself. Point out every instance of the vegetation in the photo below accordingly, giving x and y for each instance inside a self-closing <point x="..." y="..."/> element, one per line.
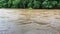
<point x="35" y="4"/>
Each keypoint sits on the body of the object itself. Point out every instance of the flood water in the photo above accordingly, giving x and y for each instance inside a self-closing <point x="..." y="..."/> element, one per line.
<point x="24" y="21"/>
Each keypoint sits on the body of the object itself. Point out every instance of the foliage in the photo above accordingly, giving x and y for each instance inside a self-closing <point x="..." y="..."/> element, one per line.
<point x="35" y="4"/>
<point x="49" y="4"/>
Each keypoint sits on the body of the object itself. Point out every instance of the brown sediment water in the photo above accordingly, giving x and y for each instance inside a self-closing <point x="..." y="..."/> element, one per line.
<point x="24" y="21"/>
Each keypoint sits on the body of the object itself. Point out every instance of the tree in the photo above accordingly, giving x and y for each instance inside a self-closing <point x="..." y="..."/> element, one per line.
<point x="3" y="3"/>
<point x="15" y="3"/>
<point x="30" y="4"/>
<point x="49" y="4"/>
<point x="36" y="4"/>
<point x="58" y="4"/>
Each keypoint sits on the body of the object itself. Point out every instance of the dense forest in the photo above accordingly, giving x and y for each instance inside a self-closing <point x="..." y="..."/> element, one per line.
<point x="35" y="4"/>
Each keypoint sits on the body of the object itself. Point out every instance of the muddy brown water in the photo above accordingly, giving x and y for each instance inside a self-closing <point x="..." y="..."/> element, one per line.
<point x="24" y="21"/>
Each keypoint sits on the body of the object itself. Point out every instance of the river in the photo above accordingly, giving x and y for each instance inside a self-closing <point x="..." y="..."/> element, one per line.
<point x="25" y="21"/>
